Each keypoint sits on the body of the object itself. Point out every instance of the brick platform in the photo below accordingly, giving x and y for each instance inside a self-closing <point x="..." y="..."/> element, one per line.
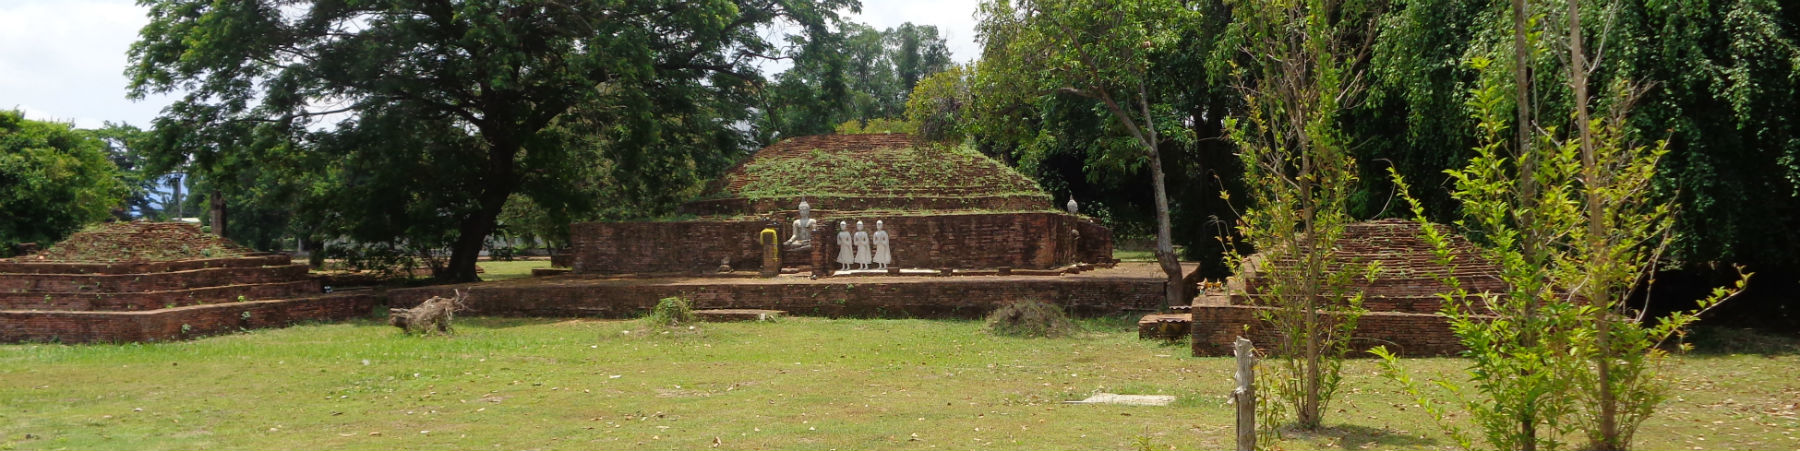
<point x="1032" y="240"/>
<point x="154" y="301"/>
<point x="177" y="323"/>
<point x="1128" y="287"/>
<point x="1402" y="301"/>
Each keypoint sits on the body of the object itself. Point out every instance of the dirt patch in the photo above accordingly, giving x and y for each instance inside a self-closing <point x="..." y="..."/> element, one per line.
<point x="139" y="241"/>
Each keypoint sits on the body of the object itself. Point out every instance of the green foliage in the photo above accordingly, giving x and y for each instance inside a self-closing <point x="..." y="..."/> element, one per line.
<point x="397" y="121"/>
<point x="1030" y="319"/>
<point x="53" y="180"/>
<point x="671" y="312"/>
<point x="1101" y="52"/>
<point x="1075" y="92"/>
<point x="1301" y="71"/>
<point x="874" y="126"/>
<point x="1570" y="219"/>
<point x="936" y="106"/>
<point x="856" y="74"/>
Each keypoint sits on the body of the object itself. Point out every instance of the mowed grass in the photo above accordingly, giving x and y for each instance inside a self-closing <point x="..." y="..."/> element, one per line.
<point x="802" y="383"/>
<point x="503" y="270"/>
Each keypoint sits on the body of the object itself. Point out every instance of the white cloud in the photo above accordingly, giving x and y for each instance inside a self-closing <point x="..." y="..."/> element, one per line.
<point x="65" y="60"/>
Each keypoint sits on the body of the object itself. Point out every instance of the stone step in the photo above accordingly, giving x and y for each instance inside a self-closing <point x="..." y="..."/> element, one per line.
<point x="1164" y="326"/>
<point x="734" y="315"/>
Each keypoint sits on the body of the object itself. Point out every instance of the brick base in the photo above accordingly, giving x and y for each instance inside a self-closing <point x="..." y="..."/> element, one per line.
<point x="1215" y="327"/>
<point x="177" y="323"/>
<point x="971" y="297"/>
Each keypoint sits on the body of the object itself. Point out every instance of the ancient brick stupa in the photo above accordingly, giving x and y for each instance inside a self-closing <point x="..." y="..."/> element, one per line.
<point x="964" y="234"/>
<point x="1402" y="301"/>
<point x="942" y="207"/>
<point x="140" y="281"/>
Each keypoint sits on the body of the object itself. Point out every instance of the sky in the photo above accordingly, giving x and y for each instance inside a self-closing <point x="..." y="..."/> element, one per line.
<point x="64" y="60"/>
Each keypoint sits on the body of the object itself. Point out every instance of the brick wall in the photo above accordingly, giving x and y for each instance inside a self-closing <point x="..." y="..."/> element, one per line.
<point x="956" y="297"/>
<point x="22" y="266"/>
<point x="1216" y="327"/>
<point x="1037" y="240"/>
<point x="159" y="281"/>
<point x="925" y="202"/>
<point x="167" y="324"/>
<point x="151" y="300"/>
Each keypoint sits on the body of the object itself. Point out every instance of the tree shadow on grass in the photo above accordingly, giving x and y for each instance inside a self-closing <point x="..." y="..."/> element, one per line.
<point x="1346" y="436"/>
<point x="1728" y="341"/>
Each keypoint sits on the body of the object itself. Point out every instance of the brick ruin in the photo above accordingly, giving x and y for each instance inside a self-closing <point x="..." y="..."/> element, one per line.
<point x="975" y="214"/>
<point x="948" y="212"/>
<point x="92" y="301"/>
<point x="1402" y="301"/>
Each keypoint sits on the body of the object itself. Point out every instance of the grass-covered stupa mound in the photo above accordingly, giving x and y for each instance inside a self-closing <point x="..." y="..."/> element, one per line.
<point x="139" y="242"/>
<point x="868" y="172"/>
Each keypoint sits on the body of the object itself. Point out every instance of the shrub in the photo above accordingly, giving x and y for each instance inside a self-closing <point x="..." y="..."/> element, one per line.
<point x="671" y="311"/>
<point x="1030" y="319"/>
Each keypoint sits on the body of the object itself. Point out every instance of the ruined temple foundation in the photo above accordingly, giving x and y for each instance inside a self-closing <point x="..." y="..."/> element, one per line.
<point x="1099" y="291"/>
<point x="1402" y="301"/>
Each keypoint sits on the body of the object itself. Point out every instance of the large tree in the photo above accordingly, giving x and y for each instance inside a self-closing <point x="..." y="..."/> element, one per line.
<point x="443" y="109"/>
<point x="53" y="180"/>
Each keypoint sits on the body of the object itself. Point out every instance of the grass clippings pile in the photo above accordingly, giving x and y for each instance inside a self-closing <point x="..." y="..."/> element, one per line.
<point x="139" y="241"/>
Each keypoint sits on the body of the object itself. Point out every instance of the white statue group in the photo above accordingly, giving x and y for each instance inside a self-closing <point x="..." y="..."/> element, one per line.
<point x="861" y="248"/>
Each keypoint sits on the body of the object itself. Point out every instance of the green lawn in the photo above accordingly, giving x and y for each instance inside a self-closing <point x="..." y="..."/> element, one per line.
<point x="802" y="383"/>
<point x="503" y="270"/>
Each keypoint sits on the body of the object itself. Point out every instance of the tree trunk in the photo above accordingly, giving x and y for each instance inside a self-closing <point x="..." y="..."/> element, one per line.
<point x="498" y="183"/>
<point x="1528" y="186"/>
<point x="1596" y="292"/>
<point x="218" y="213"/>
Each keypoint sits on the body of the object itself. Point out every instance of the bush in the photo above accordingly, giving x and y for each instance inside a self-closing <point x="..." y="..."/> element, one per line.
<point x="671" y="311"/>
<point x="1030" y="319"/>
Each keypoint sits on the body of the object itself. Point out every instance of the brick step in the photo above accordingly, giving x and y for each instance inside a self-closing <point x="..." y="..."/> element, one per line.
<point x="178" y="323"/>
<point x="152" y="300"/>
<point x="22" y="265"/>
<point x="1164" y="326"/>
<point x="161" y="281"/>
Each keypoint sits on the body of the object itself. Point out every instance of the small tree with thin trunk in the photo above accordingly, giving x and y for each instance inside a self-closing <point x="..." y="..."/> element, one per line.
<point x="1570" y="219"/>
<point x="1304" y="69"/>
<point x="1100" y="51"/>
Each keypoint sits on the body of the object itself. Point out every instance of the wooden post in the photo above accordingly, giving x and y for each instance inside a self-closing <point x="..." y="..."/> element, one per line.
<point x="1245" y="394"/>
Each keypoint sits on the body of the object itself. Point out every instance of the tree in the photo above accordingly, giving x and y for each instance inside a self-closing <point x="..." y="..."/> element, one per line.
<point x="1571" y="219"/>
<point x="1099" y="51"/>
<point x="446" y="104"/>
<point x="53" y="180"/>
<point x="122" y="142"/>
<point x="1305" y="63"/>
<point x="938" y="105"/>
<point x="857" y="73"/>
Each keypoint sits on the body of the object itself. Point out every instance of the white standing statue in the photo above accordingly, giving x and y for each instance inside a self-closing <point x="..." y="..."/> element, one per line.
<point x="1073" y="207"/>
<point x="845" y="257"/>
<point x="883" y="256"/>
<point x="801" y="239"/>
<point x="863" y="257"/>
